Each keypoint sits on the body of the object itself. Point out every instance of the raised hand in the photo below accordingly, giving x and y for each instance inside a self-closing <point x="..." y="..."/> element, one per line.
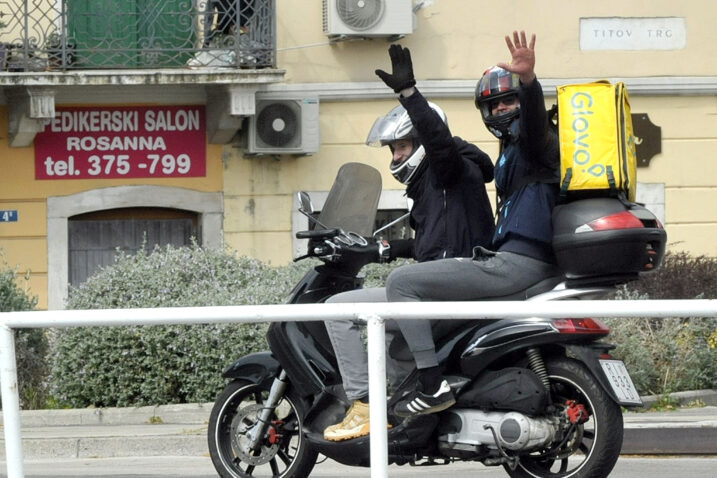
<point x="402" y="76"/>
<point x="523" y="54"/>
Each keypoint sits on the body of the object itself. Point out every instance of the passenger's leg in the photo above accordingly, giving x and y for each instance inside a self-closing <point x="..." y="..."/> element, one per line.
<point x="491" y="275"/>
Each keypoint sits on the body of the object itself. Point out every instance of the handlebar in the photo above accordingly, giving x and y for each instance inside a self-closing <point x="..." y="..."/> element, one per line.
<point x="318" y="234"/>
<point x="338" y="247"/>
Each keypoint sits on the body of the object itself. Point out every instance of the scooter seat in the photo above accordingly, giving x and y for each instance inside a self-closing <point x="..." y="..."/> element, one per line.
<point x="540" y="287"/>
<point x="441" y="328"/>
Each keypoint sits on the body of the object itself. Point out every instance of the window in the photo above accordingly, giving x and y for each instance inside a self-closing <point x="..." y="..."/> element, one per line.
<point x="95" y="237"/>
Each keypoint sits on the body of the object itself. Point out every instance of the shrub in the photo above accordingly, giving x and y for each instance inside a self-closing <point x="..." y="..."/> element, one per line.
<point x="681" y="276"/>
<point x="136" y="365"/>
<point x="131" y="366"/>
<point x="31" y="345"/>
<point x="144" y="365"/>
<point x="670" y="354"/>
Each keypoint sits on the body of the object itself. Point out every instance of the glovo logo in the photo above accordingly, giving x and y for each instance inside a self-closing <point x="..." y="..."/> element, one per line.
<point x="582" y="104"/>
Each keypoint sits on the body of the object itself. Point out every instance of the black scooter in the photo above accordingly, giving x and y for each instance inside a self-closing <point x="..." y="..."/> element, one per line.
<point x="540" y="397"/>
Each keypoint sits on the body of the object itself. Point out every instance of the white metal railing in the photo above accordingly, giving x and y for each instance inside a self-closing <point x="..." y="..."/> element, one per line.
<point x="373" y="313"/>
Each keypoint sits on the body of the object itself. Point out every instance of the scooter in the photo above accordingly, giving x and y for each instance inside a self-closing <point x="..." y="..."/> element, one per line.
<point x="539" y="397"/>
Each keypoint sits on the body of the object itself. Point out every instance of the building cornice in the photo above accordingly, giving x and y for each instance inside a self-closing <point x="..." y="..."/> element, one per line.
<point x="370" y="90"/>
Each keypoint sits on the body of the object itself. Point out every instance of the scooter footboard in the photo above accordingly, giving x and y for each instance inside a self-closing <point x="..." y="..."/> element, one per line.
<point x="611" y="373"/>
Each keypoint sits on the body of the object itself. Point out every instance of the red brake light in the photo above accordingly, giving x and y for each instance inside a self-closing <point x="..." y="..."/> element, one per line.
<point x="581" y="326"/>
<point x="620" y="220"/>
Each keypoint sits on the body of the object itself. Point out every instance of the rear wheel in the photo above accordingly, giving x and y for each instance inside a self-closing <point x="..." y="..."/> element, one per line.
<point x="590" y="449"/>
<point x="284" y="451"/>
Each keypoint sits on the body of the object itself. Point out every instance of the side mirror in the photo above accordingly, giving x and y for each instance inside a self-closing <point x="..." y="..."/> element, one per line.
<point x="306" y="207"/>
<point x="390" y="224"/>
<point x="305" y="204"/>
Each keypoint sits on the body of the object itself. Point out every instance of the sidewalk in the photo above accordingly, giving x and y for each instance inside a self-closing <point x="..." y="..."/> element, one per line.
<point x="180" y="430"/>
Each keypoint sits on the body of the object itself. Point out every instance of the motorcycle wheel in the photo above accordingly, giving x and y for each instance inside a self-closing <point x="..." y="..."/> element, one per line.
<point x="285" y="452"/>
<point x="593" y="447"/>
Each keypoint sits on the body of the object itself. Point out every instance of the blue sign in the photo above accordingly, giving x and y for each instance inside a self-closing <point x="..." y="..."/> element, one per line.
<point x="8" y="215"/>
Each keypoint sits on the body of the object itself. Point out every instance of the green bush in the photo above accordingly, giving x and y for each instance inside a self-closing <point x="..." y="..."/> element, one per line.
<point x="31" y="345"/>
<point x="131" y="366"/>
<point x="144" y="365"/>
<point x="672" y="354"/>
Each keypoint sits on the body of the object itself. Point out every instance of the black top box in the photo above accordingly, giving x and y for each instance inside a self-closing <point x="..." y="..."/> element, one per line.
<point x="607" y="238"/>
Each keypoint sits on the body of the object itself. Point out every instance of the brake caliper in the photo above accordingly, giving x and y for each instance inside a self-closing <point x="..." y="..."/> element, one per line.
<point x="275" y="436"/>
<point x="576" y="412"/>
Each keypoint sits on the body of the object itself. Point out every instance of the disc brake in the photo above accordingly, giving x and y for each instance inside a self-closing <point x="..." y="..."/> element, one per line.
<point x="242" y="423"/>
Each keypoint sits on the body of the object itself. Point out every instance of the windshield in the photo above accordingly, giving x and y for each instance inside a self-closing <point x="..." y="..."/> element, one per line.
<point x="353" y="199"/>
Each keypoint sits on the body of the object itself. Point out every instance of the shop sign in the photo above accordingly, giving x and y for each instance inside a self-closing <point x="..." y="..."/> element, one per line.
<point x="122" y="142"/>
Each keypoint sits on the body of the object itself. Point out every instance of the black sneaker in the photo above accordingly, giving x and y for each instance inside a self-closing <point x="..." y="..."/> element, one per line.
<point x="418" y="403"/>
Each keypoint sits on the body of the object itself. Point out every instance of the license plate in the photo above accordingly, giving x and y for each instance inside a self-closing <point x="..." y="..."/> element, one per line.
<point x="620" y="381"/>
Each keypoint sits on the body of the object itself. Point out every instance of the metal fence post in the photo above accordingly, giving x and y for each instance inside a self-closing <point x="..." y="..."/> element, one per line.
<point x="376" y="330"/>
<point x="10" y="403"/>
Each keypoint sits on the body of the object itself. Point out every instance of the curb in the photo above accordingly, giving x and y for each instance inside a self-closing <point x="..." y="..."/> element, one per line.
<point x="181" y="430"/>
<point x="160" y="414"/>
<point x="707" y="397"/>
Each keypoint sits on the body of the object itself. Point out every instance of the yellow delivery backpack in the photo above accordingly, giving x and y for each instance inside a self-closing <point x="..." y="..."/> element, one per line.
<point x="597" y="145"/>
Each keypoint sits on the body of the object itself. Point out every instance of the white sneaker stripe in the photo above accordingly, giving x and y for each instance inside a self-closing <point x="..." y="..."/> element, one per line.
<point x="442" y="389"/>
<point x="417" y="405"/>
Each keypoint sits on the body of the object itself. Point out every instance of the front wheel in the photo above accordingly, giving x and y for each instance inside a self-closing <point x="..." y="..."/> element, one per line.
<point x="284" y="451"/>
<point x="590" y="449"/>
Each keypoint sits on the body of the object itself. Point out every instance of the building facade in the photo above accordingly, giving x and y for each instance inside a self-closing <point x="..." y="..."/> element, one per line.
<point x="227" y="143"/>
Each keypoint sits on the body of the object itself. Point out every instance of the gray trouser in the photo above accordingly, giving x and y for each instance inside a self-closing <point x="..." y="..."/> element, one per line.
<point x="488" y="274"/>
<point x="350" y="351"/>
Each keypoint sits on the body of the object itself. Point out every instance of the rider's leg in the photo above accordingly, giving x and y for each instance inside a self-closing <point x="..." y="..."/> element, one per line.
<point x="352" y="359"/>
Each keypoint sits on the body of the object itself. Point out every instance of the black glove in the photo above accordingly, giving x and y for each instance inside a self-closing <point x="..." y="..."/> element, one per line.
<point x="402" y="76"/>
<point x="357" y="253"/>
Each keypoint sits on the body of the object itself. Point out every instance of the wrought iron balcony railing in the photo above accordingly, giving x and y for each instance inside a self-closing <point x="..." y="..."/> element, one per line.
<point x="61" y="35"/>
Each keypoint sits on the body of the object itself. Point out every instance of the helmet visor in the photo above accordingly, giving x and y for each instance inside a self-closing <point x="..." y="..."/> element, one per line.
<point x="394" y="125"/>
<point x="510" y="101"/>
<point x="381" y="132"/>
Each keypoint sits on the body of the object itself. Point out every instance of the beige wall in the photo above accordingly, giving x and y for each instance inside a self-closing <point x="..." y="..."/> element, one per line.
<point x="454" y="41"/>
<point x="459" y="38"/>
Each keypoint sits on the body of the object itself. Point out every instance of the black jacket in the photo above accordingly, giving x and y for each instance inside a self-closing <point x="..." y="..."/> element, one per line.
<point x="451" y="211"/>
<point x="526" y="177"/>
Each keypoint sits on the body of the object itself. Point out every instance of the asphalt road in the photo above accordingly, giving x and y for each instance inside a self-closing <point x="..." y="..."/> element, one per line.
<point x="200" y="467"/>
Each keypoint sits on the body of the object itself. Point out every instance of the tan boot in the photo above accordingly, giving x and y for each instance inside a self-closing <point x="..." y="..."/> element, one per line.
<point x="356" y="424"/>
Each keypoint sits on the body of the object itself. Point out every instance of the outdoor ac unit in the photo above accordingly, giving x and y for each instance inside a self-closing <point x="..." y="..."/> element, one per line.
<point x="284" y="125"/>
<point x="368" y="18"/>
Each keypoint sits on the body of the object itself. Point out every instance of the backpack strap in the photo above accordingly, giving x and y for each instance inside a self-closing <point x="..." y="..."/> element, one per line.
<point x="566" y="183"/>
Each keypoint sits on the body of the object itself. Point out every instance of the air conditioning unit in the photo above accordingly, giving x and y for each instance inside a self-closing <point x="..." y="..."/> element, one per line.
<point x="284" y="125"/>
<point x="368" y="18"/>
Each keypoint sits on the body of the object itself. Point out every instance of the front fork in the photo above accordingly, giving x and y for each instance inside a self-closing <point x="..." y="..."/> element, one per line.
<point x="259" y="431"/>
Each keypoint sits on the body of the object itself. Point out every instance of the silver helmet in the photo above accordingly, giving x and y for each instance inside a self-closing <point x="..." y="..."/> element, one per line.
<point x="396" y="125"/>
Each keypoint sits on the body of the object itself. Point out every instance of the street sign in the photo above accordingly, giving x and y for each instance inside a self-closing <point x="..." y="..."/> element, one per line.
<point x="8" y="215"/>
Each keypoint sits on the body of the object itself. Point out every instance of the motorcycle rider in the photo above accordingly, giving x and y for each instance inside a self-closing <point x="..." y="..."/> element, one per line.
<point x="512" y="107"/>
<point x="445" y="177"/>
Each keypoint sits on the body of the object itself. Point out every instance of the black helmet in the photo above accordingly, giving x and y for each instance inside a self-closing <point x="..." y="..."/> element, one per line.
<point x="496" y="83"/>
